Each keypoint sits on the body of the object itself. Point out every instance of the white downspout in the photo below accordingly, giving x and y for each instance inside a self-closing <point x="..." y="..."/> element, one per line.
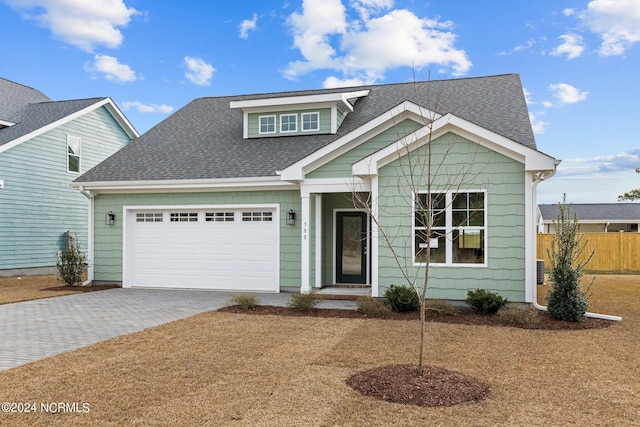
<point x="536" y="180"/>
<point x="89" y="195"/>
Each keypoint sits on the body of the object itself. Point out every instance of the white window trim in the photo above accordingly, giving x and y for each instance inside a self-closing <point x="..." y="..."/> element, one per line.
<point x="78" y="155"/>
<point x="449" y="230"/>
<point x="275" y="124"/>
<point x="295" y="124"/>
<point x="317" y="114"/>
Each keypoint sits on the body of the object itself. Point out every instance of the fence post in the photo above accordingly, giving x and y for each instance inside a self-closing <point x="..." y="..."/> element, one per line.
<point x="621" y="250"/>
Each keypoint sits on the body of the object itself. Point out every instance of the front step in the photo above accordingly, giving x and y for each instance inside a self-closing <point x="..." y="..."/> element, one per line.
<point x="343" y="292"/>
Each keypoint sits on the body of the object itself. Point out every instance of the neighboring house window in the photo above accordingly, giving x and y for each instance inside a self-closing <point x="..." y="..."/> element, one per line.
<point x="219" y="217"/>
<point x="288" y="123"/>
<point x="267" y="124"/>
<point x="184" y="217"/>
<point x="458" y="230"/>
<point x="73" y="154"/>
<point x="257" y="216"/>
<point x="310" y="121"/>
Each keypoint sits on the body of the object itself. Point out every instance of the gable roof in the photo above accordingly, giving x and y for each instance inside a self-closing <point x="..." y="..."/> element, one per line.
<point x="595" y="212"/>
<point x="203" y="140"/>
<point x="30" y="113"/>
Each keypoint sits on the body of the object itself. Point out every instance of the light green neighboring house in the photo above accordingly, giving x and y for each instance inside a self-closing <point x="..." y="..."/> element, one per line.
<point x="44" y="146"/>
<point x="310" y="189"/>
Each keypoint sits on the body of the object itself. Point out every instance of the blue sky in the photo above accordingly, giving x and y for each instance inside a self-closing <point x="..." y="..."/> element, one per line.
<point x="579" y="61"/>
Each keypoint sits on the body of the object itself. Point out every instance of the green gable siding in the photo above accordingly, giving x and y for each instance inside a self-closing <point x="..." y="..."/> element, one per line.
<point x="108" y="239"/>
<point x="254" y="123"/>
<point x="341" y="166"/>
<point x="38" y="205"/>
<point x="502" y="178"/>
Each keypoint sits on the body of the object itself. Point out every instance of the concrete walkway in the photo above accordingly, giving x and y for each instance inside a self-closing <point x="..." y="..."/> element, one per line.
<point x="34" y="330"/>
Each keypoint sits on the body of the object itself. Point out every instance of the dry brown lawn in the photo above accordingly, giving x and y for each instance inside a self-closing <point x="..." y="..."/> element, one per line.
<point x="25" y="288"/>
<point x="243" y="370"/>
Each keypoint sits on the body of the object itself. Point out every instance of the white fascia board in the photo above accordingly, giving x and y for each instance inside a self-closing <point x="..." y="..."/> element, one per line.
<point x="289" y="101"/>
<point x="191" y="185"/>
<point x="405" y="110"/>
<point x="107" y="102"/>
<point x="532" y="159"/>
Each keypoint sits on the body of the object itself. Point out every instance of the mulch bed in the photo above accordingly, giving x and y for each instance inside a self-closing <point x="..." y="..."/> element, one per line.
<point x="435" y="387"/>
<point x="80" y="289"/>
<point x="542" y="320"/>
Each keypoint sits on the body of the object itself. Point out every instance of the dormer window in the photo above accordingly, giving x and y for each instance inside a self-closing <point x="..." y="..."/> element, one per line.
<point x="288" y="123"/>
<point x="310" y="121"/>
<point x="267" y="124"/>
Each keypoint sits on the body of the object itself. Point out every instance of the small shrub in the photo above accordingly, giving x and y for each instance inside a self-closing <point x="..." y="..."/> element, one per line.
<point x="303" y="302"/>
<point x="373" y="307"/>
<point x="245" y="301"/>
<point x="485" y="302"/>
<point x="71" y="263"/>
<point x="402" y="298"/>
<point x="439" y="308"/>
<point x="516" y="315"/>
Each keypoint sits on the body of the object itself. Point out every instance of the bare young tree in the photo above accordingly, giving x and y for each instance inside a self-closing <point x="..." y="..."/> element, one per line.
<point x="428" y="183"/>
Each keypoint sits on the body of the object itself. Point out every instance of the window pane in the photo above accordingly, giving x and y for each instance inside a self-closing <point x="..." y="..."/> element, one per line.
<point x="476" y="218"/>
<point x="459" y="201"/>
<point x="437" y="247"/>
<point x="310" y="121"/>
<point x="468" y="246"/>
<point x="267" y="124"/>
<point x="74" y="163"/>
<point x="476" y="200"/>
<point x="288" y="123"/>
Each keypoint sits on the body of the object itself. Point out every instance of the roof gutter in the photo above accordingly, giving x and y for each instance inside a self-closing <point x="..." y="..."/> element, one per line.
<point x="538" y="178"/>
<point x="90" y="197"/>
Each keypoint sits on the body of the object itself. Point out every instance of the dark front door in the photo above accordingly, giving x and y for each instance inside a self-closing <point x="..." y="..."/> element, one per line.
<point x="351" y="247"/>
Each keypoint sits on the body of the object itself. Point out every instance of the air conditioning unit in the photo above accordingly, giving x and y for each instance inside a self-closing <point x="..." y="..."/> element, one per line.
<point x="540" y="271"/>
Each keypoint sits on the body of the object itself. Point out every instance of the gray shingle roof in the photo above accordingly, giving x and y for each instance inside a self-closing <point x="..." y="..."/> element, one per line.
<point x="203" y="140"/>
<point x="596" y="211"/>
<point x="30" y="110"/>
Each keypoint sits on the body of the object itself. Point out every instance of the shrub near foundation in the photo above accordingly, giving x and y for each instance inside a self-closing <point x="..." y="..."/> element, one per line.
<point x="245" y="301"/>
<point x="402" y="298"/>
<point x="439" y="308"/>
<point x="373" y="307"/>
<point x="303" y="302"/>
<point x="516" y="315"/>
<point x="485" y="302"/>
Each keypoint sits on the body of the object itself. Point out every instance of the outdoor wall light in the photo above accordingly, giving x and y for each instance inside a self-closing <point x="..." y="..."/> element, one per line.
<point x="291" y="217"/>
<point x="110" y="218"/>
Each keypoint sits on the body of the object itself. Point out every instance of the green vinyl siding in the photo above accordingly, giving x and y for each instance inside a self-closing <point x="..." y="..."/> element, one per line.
<point x="38" y="205"/>
<point x="462" y="165"/>
<point x="254" y="123"/>
<point x="341" y="166"/>
<point x="108" y="239"/>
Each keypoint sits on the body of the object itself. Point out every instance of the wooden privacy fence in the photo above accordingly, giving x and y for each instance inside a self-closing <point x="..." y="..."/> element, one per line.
<point x="614" y="252"/>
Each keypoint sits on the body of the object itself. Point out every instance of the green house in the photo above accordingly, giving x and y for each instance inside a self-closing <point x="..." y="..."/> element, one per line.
<point x="44" y="146"/>
<point x="311" y="189"/>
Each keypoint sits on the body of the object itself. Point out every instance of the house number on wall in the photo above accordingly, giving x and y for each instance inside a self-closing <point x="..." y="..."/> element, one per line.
<point x="304" y="231"/>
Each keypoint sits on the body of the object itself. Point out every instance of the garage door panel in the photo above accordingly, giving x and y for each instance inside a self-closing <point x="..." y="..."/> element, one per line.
<point x="207" y="254"/>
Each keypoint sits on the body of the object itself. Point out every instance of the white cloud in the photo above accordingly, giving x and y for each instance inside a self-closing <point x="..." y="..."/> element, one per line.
<point x="567" y="94"/>
<point x="572" y="45"/>
<point x="527" y="97"/>
<point x="248" y="25"/>
<point x="82" y="23"/>
<point x="625" y="161"/>
<point x="147" y="108"/>
<point x="364" y="49"/>
<point x="334" y="82"/>
<point x="616" y="21"/>
<point x="112" y="69"/>
<point x="537" y="125"/>
<point x="198" y="72"/>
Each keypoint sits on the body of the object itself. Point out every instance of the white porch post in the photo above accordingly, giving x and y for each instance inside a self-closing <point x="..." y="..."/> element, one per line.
<point x="305" y="285"/>
<point x="374" y="237"/>
<point x="530" y="236"/>
<point x="318" y="211"/>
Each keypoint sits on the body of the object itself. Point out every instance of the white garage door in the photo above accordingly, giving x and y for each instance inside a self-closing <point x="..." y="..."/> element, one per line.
<point x="223" y="249"/>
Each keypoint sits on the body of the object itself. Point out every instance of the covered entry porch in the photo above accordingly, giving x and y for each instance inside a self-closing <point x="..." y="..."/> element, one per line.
<point x="338" y="243"/>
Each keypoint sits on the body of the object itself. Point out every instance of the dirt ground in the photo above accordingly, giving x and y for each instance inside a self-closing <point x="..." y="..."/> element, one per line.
<point x="244" y="370"/>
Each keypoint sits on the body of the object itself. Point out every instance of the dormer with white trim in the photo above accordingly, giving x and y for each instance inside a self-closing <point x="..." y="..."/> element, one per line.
<point x="296" y="115"/>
